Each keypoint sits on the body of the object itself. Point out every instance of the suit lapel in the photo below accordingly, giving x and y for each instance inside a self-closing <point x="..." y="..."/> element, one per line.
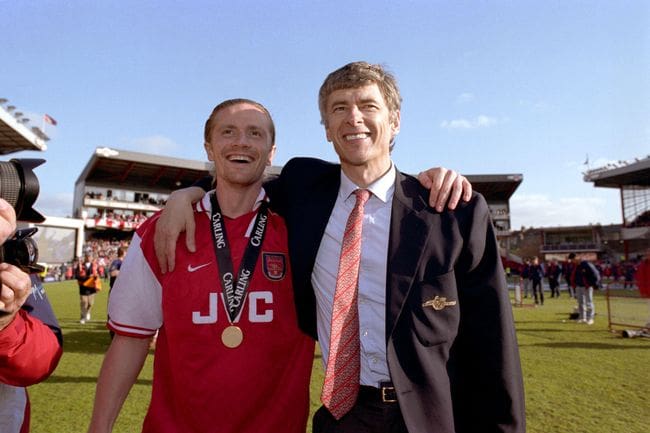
<point x="315" y="210"/>
<point x="409" y="233"/>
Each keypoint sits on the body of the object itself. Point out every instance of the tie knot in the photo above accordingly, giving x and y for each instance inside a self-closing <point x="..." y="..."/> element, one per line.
<point x="362" y="196"/>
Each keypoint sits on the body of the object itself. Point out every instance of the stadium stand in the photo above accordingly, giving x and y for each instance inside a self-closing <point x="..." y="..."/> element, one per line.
<point x="632" y="178"/>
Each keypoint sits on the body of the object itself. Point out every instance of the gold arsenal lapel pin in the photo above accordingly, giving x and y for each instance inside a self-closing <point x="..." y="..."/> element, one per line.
<point x="438" y="303"/>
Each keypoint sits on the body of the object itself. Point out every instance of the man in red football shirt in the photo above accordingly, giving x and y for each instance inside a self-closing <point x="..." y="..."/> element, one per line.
<point x="229" y="354"/>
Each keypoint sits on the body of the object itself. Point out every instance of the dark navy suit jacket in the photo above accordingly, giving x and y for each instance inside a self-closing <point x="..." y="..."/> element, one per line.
<point x="456" y="369"/>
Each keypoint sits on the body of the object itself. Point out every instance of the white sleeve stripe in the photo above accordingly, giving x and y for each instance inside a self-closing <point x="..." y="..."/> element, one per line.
<point x="135" y="328"/>
<point x="130" y="331"/>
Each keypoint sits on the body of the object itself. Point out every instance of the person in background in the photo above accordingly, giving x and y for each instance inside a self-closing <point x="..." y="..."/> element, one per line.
<point x="30" y="337"/>
<point x="114" y="268"/>
<point x="113" y="272"/>
<point x="567" y="270"/>
<point x="629" y="270"/>
<point x="553" y="272"/>
<point x="84" y="270"/>
<point x="584" y="278"/>
<point x="536" y="276"/>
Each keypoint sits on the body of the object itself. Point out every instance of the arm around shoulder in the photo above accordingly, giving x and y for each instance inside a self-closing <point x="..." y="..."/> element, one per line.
<point x="176" y="217"/>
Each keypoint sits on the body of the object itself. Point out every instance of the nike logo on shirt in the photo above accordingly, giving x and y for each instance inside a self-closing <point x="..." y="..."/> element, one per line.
<point x="191" y="268"/>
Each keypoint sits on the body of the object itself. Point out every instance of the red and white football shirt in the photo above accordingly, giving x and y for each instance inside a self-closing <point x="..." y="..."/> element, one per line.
<point x="199" y="384"/>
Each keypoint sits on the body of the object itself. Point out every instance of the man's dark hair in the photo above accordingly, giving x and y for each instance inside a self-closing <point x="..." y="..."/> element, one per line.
<point x="360" y="74"/>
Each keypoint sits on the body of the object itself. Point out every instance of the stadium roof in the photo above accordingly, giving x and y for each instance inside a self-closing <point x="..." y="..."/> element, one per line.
<point x="635" y="173"/>
<point x="15" y="136"/>
<point x="136" y="170"/>
<point x="495" y="187"/>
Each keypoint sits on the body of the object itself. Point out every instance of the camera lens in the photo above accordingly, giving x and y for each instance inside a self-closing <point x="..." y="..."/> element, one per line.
<point x="19" y="187"/>
<point x="21" y="250"/>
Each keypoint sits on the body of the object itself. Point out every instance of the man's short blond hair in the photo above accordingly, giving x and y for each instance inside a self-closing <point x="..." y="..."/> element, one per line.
<point x="209" y="124"/>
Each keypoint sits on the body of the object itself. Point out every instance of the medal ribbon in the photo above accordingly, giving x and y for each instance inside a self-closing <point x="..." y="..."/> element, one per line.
<point x="234" y="290"/>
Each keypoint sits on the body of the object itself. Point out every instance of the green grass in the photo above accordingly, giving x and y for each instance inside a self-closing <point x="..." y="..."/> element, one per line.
<point x="64" y="402"/>
<point x="578" y="378"/>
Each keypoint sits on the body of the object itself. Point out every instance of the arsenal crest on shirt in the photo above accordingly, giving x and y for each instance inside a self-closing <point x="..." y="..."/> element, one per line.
<point x="274" y="265"/>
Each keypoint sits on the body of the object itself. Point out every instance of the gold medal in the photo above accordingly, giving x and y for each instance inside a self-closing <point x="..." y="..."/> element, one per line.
<point x="232" y="336"/>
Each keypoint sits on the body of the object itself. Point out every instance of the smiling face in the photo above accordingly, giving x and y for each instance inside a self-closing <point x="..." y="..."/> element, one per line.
<point x="240" y="144"/>
<point x="360" y="125"/>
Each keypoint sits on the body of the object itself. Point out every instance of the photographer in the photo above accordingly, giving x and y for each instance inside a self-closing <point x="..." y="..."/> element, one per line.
<point x="30" y="338"/>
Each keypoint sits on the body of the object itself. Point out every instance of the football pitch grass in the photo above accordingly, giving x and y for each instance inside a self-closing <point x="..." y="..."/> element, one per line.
<point x="578" y="378"/>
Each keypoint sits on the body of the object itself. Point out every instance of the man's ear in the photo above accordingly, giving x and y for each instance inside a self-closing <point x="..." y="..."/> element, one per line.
<point x="395" y="123"/>
<point x="269" y="161"/>
<point x="328" y="136"/>
<point x="208" y="151"/>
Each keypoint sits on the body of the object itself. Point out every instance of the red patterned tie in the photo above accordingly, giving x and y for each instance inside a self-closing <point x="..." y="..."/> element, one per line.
<point x="341" y="384"/>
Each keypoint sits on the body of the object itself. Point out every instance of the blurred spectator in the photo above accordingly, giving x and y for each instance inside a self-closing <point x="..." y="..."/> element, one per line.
<point x="553" y="273"/>
<point x="584" y="278"/>
<point x="629" y="271"/>
<point x="536" y="276"/>
<point x="114" y="271"/>
<point x="85" y="270"/>
<point x="568" y="269"/>
<point x="114" y="268"/>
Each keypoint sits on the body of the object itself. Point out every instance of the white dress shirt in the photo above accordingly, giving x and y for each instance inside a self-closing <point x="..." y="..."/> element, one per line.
<point x="372" y="273"/>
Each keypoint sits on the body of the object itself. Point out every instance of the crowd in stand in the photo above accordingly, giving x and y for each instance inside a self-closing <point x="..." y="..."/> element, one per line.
<point x="119" y="220"/>
<point x="140" y="198"/>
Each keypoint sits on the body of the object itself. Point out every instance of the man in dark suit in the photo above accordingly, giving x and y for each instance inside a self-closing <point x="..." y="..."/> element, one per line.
<point x="437" y="348"/>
